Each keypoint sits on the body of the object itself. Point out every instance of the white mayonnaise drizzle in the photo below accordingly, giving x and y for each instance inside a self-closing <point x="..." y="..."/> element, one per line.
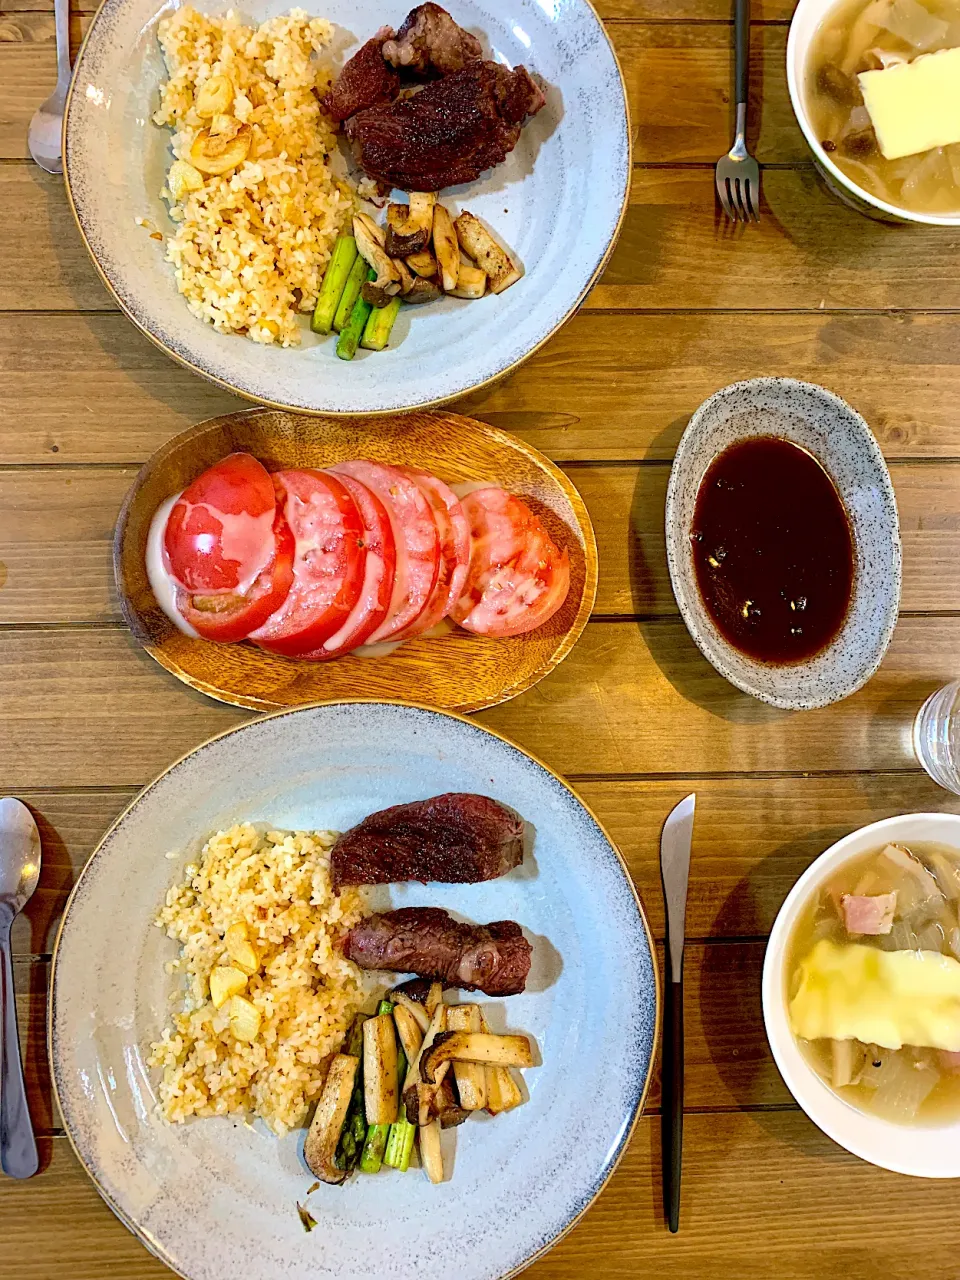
<point x="161" y="580"/>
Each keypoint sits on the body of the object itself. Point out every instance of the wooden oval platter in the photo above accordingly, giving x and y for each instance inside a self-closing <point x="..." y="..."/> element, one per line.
<point x="455" y="671"/>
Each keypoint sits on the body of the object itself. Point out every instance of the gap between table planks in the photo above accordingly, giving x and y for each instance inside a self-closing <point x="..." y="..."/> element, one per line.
<point x="82" y="706"/>
<point x="91" y="389"/>
<point x="51" y="515"/>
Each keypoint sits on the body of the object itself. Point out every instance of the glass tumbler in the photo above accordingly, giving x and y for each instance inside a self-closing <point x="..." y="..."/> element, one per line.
<point x="936" y="736"/>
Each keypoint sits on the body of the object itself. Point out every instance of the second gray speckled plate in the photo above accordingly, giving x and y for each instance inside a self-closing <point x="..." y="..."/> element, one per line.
<point x="216" y="1199"/>
<point x="837" y="435"/>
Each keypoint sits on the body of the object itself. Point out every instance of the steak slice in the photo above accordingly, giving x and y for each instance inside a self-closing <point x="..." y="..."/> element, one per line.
<point x="493" y="958"/>
<point x="430" y="41"/>
<point x="365" y="81"/>
<point x="449" y="132"/>
<point x="456" y="838"/>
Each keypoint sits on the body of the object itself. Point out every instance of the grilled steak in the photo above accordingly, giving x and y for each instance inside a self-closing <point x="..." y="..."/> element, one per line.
<point x="430" y="41"/>
<point x="457" y="838"/>
<point x="425" y="940"/>
<point x="365" y="81"/>
<point x="449" y="132"/>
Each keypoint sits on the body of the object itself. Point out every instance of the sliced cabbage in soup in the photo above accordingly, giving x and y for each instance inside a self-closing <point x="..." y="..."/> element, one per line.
<point x="860" y="36"/>
<point x="873" y="982"/>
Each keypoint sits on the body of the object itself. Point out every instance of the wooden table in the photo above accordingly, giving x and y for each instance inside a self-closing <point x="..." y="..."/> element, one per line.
<point x="635" y="718"/>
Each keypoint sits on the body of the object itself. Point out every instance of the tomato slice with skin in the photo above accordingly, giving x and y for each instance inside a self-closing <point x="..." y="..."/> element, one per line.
<point x="219" y="536"/>
<point x="454" y="532"/>
<point x="518" y="578"/>
<point x="416" y="537"/>
<point x="227" y="616"/>
<point x="378" y="576"/>
<point x="327" y="567"/>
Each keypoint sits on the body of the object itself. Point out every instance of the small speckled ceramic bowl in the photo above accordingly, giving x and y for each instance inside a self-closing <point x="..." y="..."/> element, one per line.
<point x="557" y="200"/>
<point x="839" y="438"/>
<point x="215" y="1198"/>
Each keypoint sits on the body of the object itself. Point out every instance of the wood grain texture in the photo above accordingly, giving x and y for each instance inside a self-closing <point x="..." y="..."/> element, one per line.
<point x="91" y="388"/>
<point x="80" y="707"/>
<point x="675" y="253"/>
<point x="765" y="1196"/>
<point x="64" y="514"/>
<point x="694" y="125"/>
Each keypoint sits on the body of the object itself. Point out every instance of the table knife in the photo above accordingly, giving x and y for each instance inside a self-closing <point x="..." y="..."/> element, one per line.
<point x="675" y="842"/>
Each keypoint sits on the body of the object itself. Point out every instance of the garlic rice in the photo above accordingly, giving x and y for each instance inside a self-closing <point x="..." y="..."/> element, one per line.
<point x="277" y="885"/>
<point x="250" y="244"/>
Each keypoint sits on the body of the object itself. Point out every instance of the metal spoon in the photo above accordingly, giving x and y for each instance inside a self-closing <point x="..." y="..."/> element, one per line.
<point x="19" y="872"/>
<point x="47" y="122"/>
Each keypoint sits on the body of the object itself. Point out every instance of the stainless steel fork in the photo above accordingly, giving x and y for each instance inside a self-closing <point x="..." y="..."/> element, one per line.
<point x="738" y="174"/>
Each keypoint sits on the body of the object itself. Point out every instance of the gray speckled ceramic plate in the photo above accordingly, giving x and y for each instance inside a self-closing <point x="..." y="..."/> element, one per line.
<point x="216" y="1200"/>
<point x="557" y="200"/>
<point x="837" y="435"/>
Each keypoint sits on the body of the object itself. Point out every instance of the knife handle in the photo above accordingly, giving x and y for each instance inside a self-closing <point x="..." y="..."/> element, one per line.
<point x="672" y="1098"/>
<point x="18" y="1150"/>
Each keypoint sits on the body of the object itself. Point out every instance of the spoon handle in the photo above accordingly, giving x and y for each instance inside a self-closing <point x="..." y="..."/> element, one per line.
<point x="62" y="17"/>
<point x="18" y="1149"/>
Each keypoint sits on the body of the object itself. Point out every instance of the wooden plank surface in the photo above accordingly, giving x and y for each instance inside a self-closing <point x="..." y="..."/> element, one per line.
<point x="82" y="706"/>
<point x="90" y="388"/>
<point x="635" y="716"/>
<point x="766" y="1197"/>
<point x="54" y="516"/>
<point x="809" y="252"/>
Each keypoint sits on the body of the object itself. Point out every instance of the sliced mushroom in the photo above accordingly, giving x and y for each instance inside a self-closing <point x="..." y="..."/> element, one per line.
<point x="446" y="248"/>
<point x="217" y="153"/>
<point x="214" y="97"/>
<point x="423" y="264"/>
<point x="320" y="1145"/>
<point x="470" y="1046"/>
<point x="409" y="225"/>
<point x="407" y="278"/>
<point x="477" y="242"/>
<point x="423" y="291"/>
<point x="471" y="282"/>
<point x="387" y="284"/>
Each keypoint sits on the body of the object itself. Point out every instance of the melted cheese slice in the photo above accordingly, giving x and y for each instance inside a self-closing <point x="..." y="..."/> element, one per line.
<point x="915" y="106"/>
<point x="887" y="998"/>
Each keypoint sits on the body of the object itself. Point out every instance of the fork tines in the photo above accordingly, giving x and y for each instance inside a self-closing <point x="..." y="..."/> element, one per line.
<point x="739" y="192"/>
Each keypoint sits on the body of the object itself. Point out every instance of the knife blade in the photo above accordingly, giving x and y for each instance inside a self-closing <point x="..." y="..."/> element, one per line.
<point x="676" y="841"/>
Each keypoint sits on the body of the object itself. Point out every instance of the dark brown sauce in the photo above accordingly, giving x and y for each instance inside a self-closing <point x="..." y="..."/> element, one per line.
<point x="773" y="550"/>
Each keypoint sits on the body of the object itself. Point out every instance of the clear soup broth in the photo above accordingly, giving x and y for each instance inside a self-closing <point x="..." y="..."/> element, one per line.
<point x="869" y="35"/>
<point x="913" y="1084"/>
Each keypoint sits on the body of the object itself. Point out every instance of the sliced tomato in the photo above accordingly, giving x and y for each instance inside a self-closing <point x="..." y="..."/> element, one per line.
<point x="219" y="535"/>
<point x="378" y="575"/>
<point x="518" y="578"/>
<point x="454" y="532"/>
<point x="227" y="616"/>
<point x="327" y="567"/>
<point x="416" y="538"/>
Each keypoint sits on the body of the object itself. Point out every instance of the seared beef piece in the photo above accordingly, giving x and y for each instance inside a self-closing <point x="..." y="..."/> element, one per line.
<point x="430" y="40"/>
<point x="365" y="81"/>
<point x="449" y="132"/>
<point x="457" y="838"/>
<point x="427" y="941"/>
